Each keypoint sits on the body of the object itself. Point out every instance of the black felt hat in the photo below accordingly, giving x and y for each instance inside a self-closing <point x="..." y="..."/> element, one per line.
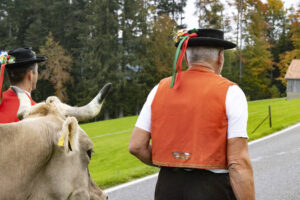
<point x="209" y="37"/>
<point x="21" y="56"/>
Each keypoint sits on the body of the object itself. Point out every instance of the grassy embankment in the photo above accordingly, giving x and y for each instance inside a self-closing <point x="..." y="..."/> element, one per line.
<point x="112" y="164"/>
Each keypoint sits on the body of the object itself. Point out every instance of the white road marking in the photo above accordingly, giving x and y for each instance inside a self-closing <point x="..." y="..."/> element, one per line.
<point x="275" y="134"/>
<point x="256" y="159"/>
<point x="280" y="153"/>
<point x="115" y="133"/>
<point x="118" y="187"/>
<point x="130" y="183"/>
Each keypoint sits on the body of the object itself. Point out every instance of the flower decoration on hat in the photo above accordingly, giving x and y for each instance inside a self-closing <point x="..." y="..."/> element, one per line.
<point x="4" y="59"/>
<point x="183" y="38"/>
<point x="179" y="34"/>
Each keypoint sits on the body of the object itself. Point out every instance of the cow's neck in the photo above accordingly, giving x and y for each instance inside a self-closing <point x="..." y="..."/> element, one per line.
<point x="25" y="148"/>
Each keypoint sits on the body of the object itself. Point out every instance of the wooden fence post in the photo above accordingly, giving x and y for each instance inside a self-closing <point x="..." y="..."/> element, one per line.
<point x="270" y="116"/>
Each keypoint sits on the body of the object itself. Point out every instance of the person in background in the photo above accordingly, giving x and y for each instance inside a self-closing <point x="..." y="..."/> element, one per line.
<point x="197" y="123"/>
<point x="21" y="65"/>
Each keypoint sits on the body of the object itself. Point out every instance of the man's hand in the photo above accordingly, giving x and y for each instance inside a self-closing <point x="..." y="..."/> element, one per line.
<point x="240" y="169"/>
<point x="140" y="146"/>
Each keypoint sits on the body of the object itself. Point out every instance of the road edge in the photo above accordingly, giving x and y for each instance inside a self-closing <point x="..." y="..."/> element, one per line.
<point x="275" y="134"/>
<point x="112" y="189"/>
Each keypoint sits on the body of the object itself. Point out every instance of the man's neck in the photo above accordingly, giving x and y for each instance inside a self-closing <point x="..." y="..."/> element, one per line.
<point x="203" y="65"/>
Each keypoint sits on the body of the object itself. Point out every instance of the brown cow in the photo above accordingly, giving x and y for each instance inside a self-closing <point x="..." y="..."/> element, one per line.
<point x="46" y="155"/>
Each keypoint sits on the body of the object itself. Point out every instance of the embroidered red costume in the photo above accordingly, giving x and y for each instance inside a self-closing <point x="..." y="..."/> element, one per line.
<point x="10" y="106"/>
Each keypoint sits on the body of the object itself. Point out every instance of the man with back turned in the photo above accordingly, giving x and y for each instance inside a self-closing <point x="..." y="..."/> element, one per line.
<point x="197" y="122"/>
<point x="21" y="65"/>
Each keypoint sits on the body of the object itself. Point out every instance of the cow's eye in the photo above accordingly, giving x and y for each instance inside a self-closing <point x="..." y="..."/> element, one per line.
<point x="89" y="153"/>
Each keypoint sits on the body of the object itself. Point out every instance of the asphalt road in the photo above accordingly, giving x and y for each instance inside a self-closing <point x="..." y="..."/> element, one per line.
<point x="276" y="165"/>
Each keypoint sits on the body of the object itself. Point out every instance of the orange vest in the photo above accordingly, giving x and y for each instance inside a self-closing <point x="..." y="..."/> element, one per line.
<point x="10" y="106"/>
<point x="189" y="124"/>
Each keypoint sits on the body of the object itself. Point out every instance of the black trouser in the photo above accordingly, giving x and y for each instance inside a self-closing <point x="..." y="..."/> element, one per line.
<point x="179" y="184"/>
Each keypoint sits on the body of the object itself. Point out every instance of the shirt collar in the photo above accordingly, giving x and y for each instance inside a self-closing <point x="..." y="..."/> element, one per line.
<point x="23" y="90"/>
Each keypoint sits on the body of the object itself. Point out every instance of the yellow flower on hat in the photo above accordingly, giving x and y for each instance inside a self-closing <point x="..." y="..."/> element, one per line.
<point x="179" y="34"/>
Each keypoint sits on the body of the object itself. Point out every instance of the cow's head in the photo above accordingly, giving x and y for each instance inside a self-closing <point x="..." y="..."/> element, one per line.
<point x="66" y="174"/>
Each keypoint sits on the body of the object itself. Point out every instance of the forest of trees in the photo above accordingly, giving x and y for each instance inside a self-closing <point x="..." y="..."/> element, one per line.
<point x="129" y="43"/>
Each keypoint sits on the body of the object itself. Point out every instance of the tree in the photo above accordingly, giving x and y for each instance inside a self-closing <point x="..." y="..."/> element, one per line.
<point x="275" y="19"/>
<point x="230" y="70"/>
<point x="160" y="54"/>
<point x="257" y="57"/>
<point x="173" y="8"/>
<point x="57" y="67"/>
<point x="277" y="33"/>
<point x="211" y="14"/>
<point x="100" y="54"/>
<point x="288" y="56"/>
<point x="295" y="31"/>
<point x="132" y="39"/>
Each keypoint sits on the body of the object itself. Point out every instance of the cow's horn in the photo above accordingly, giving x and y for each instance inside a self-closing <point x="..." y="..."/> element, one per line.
<point x="24" y="100"/>
<point x="90" y="110"/>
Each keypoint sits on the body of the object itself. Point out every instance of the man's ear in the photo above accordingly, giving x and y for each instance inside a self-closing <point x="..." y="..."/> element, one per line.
<point x="221" y="57"/>
<point x="220" y="62"/>
<point x="29" y="75"/>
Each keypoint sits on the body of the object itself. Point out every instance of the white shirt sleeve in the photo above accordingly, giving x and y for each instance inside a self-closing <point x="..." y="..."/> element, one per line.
<point x="144" y="119"/>
<point x="237" y="112"/>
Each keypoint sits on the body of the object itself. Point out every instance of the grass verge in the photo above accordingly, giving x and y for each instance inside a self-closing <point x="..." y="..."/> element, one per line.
<point x="112" y="164"/>
<point x="284" y="113"/>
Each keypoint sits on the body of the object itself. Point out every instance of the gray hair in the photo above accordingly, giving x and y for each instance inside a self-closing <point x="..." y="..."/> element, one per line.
<point x="200" y="54"/>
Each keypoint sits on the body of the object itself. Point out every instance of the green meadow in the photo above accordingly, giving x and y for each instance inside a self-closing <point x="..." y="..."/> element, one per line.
<point x="284" y="113"/>
<point x="112" y="164"/>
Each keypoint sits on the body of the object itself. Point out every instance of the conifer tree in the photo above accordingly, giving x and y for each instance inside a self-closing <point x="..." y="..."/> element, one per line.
<point x="133" y="36"/>
<point x="173" y="8"/>
<point x="100" y="54"/>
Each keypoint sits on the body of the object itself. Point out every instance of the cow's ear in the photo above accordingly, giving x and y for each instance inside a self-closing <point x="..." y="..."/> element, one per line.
<point x="69" y="136"/>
